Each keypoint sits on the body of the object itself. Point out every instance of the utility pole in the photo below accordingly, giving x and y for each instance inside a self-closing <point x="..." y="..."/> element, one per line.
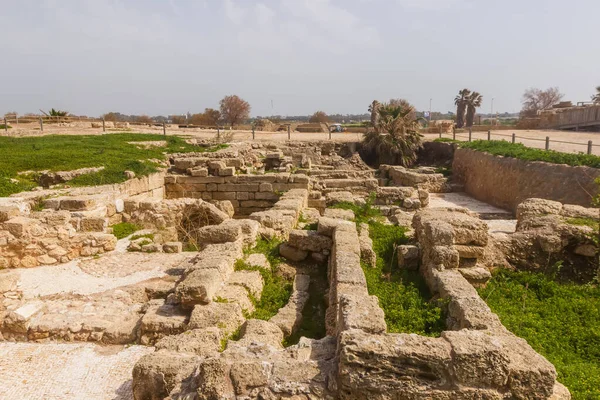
<point x="430" y="110"/>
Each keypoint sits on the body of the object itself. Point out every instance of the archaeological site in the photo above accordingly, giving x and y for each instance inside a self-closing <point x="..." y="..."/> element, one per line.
<point x="289" y="270"/>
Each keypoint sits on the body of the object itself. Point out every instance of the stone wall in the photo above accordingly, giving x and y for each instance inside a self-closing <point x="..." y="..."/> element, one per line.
<point x="247" y="193"/>
<point x="477" y="358"/>
<point x="506" y="182"/>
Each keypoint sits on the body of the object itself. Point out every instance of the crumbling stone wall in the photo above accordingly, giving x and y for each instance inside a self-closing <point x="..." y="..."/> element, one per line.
<point x="506" y="182"/>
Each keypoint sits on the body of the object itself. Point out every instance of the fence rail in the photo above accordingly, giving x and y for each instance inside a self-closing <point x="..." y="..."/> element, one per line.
<point x="586" y="147"/>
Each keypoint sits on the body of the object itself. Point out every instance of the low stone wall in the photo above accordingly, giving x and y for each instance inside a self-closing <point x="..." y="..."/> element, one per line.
<point x="506" y="182"/>
<point x="477" y="358"/>
<point x="247" y="193"/>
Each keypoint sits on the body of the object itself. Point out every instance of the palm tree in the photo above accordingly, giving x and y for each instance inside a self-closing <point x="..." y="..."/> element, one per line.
<point x="596" y="97"/>
<point x="396" y="138"/>
<point x="461" y="106"/>
<point x="373" y="108"/>
<point x="473" y="103"/>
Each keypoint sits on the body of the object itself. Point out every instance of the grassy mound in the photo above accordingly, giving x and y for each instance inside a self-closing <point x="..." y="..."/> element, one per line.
<point x="560" y="321"/>
<point x="520" y="151"/>
<point x="65" y="153"/>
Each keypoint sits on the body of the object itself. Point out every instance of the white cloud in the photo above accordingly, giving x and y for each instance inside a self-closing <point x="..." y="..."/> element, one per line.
<point x="431" y="5"/>
<point x="264" y="14"/>
<point x="235" y="13"/>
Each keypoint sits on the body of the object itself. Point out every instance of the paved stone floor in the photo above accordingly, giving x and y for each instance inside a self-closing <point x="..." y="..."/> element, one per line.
<point x="84" y="371"/>
<point x="90" y="276"/>
<point x="496" y="225"/>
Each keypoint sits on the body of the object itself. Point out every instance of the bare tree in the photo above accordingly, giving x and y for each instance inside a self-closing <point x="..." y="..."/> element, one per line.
<point x="210" y="117"/>
<point x="319" y="118"/>
<point x="144" y="119"/>
<point x="535" y="100"/>
<point x="234" y="109"/>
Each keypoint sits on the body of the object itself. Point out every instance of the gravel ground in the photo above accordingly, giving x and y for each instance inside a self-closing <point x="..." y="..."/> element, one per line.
<point x="67" y="371"/>
<point x="531" y="138"/>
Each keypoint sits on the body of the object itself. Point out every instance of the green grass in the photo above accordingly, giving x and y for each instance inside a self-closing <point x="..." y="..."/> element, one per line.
<point x="276" y="290"/>
<point x="66" y="153"/>
<point x="560" y="321"/>
<point x="520" y="151"/>
<point x="2" y="127"/>
<point x="362" y="213"/>
<point x="124" y="229"/>
<point x="591" y="222"/>
<point x="403" y="295"/>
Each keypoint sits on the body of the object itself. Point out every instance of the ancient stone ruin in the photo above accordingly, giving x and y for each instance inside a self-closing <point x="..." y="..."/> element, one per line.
<point x="64" y="277"/>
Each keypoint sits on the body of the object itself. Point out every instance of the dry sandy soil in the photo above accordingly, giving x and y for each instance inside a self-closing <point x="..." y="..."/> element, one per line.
<point x="531" y="138"/>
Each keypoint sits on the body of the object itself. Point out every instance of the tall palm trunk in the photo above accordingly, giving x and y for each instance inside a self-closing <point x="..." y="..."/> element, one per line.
<point x="460" y="115"/>
<point x="470" y="115"/>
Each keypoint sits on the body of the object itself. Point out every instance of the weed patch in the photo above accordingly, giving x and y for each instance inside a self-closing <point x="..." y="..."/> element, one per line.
<point x="560" y="321"/>
<point x="124" y="229"/>
<point x="591" y="222"/>
<point x="276" y="290"/>
<point x="403" y="295"/>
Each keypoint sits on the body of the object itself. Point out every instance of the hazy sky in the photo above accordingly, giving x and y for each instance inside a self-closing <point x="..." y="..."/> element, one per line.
<point x="173" y="56"/>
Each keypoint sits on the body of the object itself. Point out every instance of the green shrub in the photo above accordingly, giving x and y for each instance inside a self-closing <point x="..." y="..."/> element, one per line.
<point x="520" y="151"/>
<point x="2" y="127"/>
<point x="124" y="229"/>
<point x="403" y="295"/>
<point x="560" y="321"/>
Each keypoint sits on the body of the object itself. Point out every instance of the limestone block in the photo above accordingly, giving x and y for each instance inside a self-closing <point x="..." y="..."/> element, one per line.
<point x="259" y="331"/>
<point x="19" y="226"/>
<point x="201" y="342"/>
<point x="198" y="287"/>
<point x="250" y="280"/>
<point x="309" y="241"/>
<point x="347" y="215"/>
<point x="155" y="375"/>
<point x="292" y="253"/>
<point x="327" y="225"/>
<point x="408" y="256"/>
<point x="173" y="247"/>
<point x="235" y="294"/>
<point x="359" y="312"/>
<point x="225" y="316"/>
<point x="258" y="260"/>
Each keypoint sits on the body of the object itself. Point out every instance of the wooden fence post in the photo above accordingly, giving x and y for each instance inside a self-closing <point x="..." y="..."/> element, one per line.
<point x="590" y="148"/>
<point x="514" y="138"/>
<point x="547" y="142"/>
<point x="41" y="124"/>
<point x="489" y="135"/>
<point x="253" y="132"/>
<point x="289" y="132"/>
<point x="470" y="133"/>
<point x="103" y="125"/>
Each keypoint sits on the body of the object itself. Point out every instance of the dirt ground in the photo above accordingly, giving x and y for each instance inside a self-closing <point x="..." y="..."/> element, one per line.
<point x="531" y="138"/>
